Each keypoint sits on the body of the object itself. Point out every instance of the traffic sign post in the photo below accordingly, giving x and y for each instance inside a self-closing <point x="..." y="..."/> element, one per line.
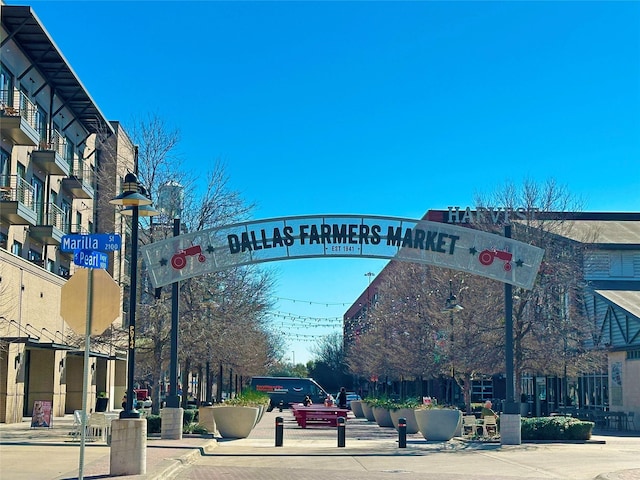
<point x="88" y="251"/>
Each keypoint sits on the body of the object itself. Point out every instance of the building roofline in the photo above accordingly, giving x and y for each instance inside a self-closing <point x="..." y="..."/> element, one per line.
<point x="26" y="29"/>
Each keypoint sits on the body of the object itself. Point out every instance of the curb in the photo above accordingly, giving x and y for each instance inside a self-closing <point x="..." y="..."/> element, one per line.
<point x="169" y="467"/>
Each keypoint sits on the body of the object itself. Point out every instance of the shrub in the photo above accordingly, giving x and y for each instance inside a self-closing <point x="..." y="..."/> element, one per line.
<point x="195" y="428"/>
<point x="189" y="416"/>
<point x="154" y="423"/>
<point x="383" y="402"/>
<point x="555" y="428"/>
<point x="411" y="403"/>
<point x="249" y="398"/>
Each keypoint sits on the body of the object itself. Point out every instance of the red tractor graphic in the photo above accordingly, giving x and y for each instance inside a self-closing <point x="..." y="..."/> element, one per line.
<point x="179" y="260"/>
<point x="486" y="257"/>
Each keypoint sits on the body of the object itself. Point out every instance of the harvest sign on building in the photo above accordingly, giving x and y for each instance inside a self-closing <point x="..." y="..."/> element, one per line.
<point x="401" y="239"/>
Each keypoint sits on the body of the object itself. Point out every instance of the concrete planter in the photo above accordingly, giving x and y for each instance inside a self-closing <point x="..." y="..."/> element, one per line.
<point x="438" y="424"/>
<point x="261" y="409"/>
<point x="205" y="418"/>
<point x="409" y="415"/>
<point x="382" y="416"/>
<point x="235" y="421"/>
<point x="368" y="412"/>
<point x="356" y="408"/>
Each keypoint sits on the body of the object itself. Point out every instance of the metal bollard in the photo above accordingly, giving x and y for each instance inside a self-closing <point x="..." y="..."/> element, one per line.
<point x="342" y="431"/>
<point x="402" y="432"/>
<point x="280" y="405"/>
<point x="279" y="431"/>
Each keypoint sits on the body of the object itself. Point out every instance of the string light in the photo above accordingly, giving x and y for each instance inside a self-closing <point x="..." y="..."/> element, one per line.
<point x="310" y="302"/>
<point x="295" y="317"/>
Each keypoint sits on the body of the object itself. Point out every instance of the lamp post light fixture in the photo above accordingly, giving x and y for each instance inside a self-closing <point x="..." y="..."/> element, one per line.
<point x="136" y="204"/>
<point x="452" y="306"/>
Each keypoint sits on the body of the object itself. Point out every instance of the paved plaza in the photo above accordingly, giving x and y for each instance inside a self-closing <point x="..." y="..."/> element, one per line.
<point x="370" y="452"/>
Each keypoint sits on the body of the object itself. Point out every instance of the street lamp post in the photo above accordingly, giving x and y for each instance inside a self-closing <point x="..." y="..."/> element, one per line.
<point x="173" y="399"/>
<point x="452" y="306"/>
<point x="132" y="199"/>
<point x="510" y="429"/>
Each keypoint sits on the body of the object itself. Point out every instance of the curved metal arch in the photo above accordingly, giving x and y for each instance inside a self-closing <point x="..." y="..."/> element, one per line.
<point x="342" y="236"/>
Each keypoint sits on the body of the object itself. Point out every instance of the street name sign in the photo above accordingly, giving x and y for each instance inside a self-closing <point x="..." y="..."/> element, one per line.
<point x="90" y="259"/>
<point x="102" y="242"/>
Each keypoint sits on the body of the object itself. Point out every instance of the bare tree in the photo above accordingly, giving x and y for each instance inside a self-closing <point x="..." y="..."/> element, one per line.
<point x="409" y="332"/>
<point x="550" y="328"/>
<point x="222" y="315"/>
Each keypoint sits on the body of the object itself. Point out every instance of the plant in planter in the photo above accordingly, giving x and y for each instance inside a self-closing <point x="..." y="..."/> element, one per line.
<point x="237" y="416"/>
<point x="367" y="408"/>
<point x="356" y="408"/>
<point x="438" y="424"/>
<point x="381" y="408"/>
<point x="405" y="410"/>
<point x="251" y="398"/>
<point x="102" y="402"/>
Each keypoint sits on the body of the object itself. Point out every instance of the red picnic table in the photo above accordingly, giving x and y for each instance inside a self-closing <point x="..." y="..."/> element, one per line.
<point x="318" y="414"/>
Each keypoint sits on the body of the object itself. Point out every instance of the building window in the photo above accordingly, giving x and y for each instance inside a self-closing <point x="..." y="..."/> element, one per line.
<point x="35" y="257"/>
<point x="633" y="354"/>
<point x="6" y="86"/>
<point x="68" y="153"/>
<point x="594" y="391"/>
<point x="66" y="217"/>
<point x="38" y="198"/>
<point x="63" y="271"/>
<point x="16" y="248"/>
<point x="41" y="123"/>
<point x="51" y="265"/>
<point x="4" y="168"/>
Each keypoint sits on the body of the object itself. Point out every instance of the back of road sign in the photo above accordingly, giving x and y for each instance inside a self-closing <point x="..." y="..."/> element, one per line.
<point x="105" y="303"/>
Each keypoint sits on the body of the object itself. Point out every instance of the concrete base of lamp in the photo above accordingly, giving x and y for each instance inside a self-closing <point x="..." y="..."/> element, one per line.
<point x="510" y="429"/>
<point x="128" y="447"/>
<point x="171" y="428"/>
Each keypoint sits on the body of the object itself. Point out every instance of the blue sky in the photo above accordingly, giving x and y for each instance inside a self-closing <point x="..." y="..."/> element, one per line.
<point x="388" y="108"/>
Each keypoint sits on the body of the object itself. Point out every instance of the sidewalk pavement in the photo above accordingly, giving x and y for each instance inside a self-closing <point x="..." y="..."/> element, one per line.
<point x="51" y="454"/>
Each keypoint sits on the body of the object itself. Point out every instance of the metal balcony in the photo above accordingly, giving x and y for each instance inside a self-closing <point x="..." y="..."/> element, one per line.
<point x="50" y="156"/>
<point x="18" y="118"/>
<point x="80" y="181"/>
<point x="53" y="227"/>
<point x="17" y="204"/>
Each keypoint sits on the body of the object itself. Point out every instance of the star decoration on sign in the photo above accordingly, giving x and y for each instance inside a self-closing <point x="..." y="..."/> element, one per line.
<point x="163" y="262"/>
<point x="519" y="263"/>
<point x="473" y="250"/>
<point x="210" y="249"/>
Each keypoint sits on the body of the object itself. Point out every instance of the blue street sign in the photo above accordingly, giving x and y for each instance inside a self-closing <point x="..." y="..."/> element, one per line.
<point x="102" y="242"/>
<point x="90" y="259"/>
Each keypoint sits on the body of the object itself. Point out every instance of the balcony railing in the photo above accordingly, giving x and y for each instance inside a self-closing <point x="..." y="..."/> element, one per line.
<point x="83" y="173"/>
<point x="15" y="103"/>
<point x="56" y="217"/>
<point x="78" y="229"/>
<point x="56" y="142"/>
<point x="16" y="189"/>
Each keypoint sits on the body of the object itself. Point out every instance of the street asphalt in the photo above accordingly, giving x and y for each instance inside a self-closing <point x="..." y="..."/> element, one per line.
<point x="370" y="452"/>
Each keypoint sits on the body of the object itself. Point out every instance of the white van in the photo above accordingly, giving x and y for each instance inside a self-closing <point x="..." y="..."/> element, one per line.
<point x="286" y="390"/>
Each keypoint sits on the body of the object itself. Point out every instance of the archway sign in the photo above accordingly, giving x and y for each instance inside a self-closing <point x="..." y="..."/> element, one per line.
<point x="353" y="236"/>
